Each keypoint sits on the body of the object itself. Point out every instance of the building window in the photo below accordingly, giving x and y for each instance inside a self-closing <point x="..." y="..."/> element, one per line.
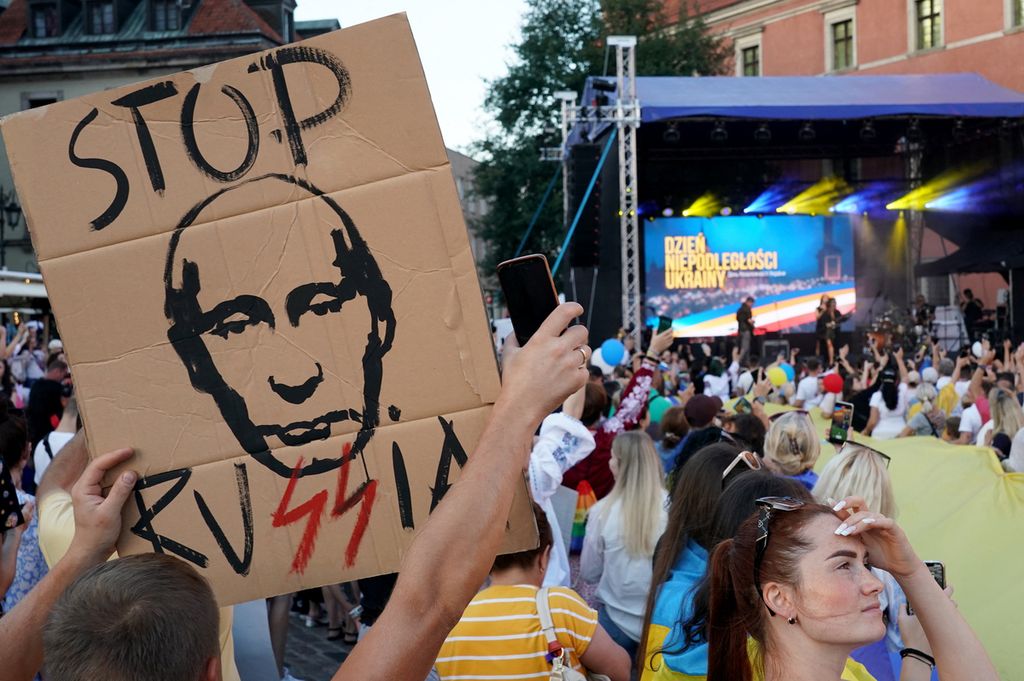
<point x="842" y="45"/>
<point x="34" y="100"/>
<point x="286" y="25"/>
<point x="166" y="15"/>
<point x="44" y="21"/>
<point x="1017" y="13"/>
<point x="929" y="23"/>
<point x="751" y="60"/>
<point x="100" y="16"/>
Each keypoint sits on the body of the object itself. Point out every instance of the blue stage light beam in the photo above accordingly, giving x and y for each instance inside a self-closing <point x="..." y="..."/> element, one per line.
<point x="773" y="197"/>
<point x="870" y="199"/>
<point x="988" y="194"/>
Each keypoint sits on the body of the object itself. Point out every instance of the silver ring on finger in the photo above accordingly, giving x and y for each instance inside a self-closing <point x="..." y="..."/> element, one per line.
<point x="583" y="352"/>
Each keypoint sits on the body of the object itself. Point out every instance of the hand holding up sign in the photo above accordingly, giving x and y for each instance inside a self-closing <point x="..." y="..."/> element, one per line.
<point x="97" y="522"/>
<point x="98" y="518"/>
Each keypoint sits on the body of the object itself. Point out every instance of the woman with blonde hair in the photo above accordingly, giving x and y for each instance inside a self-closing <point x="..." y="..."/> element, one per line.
<point x="928" y="419"/>
<point x="622" y="530"/>
<point x="792" y="446"/>
<point x="1007" y="420"/>
<point x="860" y="471"/>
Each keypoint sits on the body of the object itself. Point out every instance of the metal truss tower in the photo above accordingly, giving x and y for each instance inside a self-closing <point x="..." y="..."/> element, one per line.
<point x="627" y="119"/>
<point x="625" y="115"/>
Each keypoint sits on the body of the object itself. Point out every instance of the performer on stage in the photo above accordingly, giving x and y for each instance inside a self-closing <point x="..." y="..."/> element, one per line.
<point x="745" y="323"/>
<point x="820" y="330"/>
<point x="827" y="329"/>
<point x="973" y="311"/>
<point x="924" y="314"/>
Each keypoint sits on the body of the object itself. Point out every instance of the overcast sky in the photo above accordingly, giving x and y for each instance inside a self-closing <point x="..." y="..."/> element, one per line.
<point x="462" y="43"/>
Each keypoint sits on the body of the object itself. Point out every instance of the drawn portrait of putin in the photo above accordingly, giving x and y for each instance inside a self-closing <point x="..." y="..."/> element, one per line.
<point x="281" y="315"/>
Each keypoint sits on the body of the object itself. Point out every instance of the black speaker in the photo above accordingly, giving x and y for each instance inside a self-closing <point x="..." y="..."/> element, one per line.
<point x="594" y="275"/>
<point x="585" y="245"/>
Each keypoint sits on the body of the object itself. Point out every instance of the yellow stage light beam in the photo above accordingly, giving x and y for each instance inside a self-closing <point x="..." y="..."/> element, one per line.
<point x="896" y="250"/>
<point x="706" y="206"/>
<point x="818" y="198"/>
<point x="918" y="198"/>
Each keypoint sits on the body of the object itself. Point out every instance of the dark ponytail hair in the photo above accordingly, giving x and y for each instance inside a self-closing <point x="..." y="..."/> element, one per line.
<point x="736" y="608"/>
<point x="729" y="620"/>
<point x="890" y="392"/>
<point x="734" y="507"/>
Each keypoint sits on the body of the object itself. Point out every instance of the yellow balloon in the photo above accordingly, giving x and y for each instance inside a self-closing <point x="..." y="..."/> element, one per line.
<point x="777" y="376"/>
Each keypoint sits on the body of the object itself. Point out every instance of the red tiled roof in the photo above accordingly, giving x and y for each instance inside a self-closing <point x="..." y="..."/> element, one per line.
<point x="211" y="17"/>
<point x="227" y="16"/>
<point x="13" y="22"/>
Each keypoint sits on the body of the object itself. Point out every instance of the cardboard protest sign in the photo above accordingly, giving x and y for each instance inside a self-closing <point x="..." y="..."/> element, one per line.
<point x="264" y="284"/>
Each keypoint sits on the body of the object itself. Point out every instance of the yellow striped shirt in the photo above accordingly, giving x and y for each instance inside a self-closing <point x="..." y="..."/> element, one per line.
<point x="499" y="636"/>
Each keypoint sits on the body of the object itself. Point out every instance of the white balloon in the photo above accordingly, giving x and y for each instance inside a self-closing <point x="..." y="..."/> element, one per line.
<point x="977" y="349"/>
<point x="597" y="360"/>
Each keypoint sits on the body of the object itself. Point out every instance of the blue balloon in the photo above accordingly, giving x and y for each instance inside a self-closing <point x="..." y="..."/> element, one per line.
<point x="612" y="351"/>
<point x="790" y="371"/>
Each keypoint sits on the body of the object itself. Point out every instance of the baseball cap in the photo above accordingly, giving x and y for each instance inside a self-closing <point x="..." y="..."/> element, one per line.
<point x="701" y="410"/>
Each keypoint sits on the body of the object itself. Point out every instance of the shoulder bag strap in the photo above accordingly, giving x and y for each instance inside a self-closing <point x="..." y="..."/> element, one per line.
<point x="47" y="447"/>
<point x="547" y="625"/>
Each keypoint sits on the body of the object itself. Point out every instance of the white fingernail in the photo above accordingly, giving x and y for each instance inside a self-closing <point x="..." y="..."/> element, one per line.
<point x="840" y="506"/>
<point x="847" y="531"/>
<point x="842" y="528"/>
<point x="868" y="521"/>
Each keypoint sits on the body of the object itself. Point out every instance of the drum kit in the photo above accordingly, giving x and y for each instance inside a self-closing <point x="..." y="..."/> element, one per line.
<point x="896" y="328"/>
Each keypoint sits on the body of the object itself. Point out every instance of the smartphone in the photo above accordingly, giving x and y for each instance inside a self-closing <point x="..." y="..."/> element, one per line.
<point x="743" y="406"/>
<point x="529" y="293"/>
<point x="938" y="570"/>
<point x="664" y="323"/>
<point x="10" y="508"/>
<point x="842" y="419"/>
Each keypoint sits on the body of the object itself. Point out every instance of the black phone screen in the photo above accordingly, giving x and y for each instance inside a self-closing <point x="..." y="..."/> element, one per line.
<point x="664" y="323"/>
<point x="529" y="293"/>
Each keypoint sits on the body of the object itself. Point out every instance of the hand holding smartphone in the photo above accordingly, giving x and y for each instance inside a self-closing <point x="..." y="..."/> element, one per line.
<point x="842" y="419"/>
<point x="529" y="293"/>
<point x="938" y="570"/>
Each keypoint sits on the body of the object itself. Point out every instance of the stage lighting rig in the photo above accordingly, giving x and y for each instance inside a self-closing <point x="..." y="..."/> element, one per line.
<point x="719" y="133"/>
<point x="868" y="132"/>
<point x="807" y="133"/>
<point x="763" y="134"/>
<point x="671" y="134"/>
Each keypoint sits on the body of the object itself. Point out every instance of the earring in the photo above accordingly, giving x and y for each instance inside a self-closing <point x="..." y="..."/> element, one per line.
<point x="792" y="620"/>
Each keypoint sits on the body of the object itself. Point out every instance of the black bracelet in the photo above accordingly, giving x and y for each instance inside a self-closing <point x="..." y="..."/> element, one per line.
<point x="918" y="655"/>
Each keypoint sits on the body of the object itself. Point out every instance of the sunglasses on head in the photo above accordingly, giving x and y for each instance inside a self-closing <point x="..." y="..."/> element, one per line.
<point x="886" y="459"/>
<point x="752" y="460"/>
<point x="775" y="417"/>
<point x="766" y="509"/>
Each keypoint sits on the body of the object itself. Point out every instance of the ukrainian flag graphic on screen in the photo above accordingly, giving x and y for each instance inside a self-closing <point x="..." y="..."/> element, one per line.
<point x="699" y="270"/>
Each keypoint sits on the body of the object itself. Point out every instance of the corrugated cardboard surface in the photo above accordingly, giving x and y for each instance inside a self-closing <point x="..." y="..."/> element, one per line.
<point x="269" y="311"/>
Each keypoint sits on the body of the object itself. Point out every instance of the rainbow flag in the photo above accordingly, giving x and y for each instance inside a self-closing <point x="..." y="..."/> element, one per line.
<point x="585" y="499"/>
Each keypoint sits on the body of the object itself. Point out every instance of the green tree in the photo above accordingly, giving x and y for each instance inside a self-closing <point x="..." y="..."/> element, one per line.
<point x="563" y="42"/>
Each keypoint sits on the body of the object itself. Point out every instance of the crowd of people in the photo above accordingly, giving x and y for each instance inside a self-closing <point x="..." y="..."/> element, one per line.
<point x="713" y="550"/>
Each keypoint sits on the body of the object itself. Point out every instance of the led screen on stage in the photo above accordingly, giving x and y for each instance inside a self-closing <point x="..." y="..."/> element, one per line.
<point x="699" y="270"/>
